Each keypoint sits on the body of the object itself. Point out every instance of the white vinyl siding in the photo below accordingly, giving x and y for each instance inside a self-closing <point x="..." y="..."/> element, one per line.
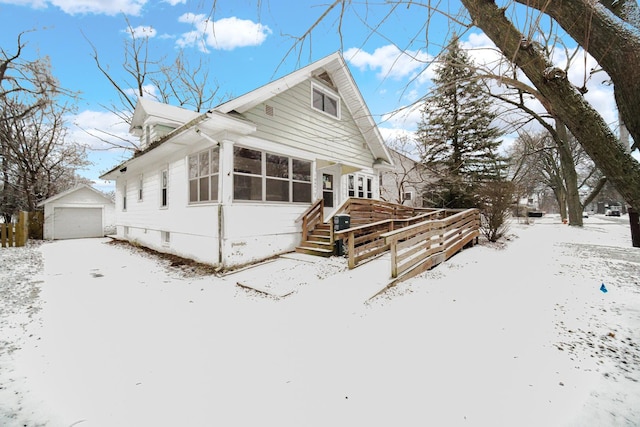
<point x="296" y="124"/>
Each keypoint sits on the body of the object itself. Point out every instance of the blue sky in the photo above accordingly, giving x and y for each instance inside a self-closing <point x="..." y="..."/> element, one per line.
<point x="249" y="46"/>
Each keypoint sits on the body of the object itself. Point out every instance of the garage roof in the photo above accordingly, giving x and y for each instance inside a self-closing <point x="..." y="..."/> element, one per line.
<point x="73" y="190"/>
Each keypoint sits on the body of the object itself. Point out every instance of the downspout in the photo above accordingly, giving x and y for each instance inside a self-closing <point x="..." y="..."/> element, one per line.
<point x="220" y="232"/>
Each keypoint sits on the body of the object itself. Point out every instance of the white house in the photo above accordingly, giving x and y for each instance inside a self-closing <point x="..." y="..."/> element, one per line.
<point x="227" y="187"/>
<point x="407" y="183"/>
<point x="79" y="212"/>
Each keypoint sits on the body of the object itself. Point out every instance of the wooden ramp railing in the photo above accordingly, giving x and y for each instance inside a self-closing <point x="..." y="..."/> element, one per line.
<point x="418" y="238"/>
<point x="367" y="241"/>
<point x="419" y="247"/>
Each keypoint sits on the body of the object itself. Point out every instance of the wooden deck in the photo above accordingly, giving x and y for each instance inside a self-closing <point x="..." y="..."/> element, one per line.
<point x="418" y="239"/>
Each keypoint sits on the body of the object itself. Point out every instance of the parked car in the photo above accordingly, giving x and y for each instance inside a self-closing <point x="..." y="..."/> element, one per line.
<point x="612" y="211"/>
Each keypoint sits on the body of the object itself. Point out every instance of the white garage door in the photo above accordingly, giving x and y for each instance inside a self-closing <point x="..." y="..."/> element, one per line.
<point x="75" y="223"/>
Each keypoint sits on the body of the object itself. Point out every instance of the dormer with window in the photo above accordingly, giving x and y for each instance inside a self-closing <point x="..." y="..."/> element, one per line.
<point x="153" y="132"/>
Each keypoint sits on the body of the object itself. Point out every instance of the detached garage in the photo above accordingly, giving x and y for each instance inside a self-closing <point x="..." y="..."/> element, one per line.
<point x="78" y="213"/>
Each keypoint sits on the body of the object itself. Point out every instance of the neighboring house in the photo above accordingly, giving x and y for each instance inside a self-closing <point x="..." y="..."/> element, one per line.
<point x="227" y="187"/>
<point x="407" y="183"/>
<point x="77" y="213"/>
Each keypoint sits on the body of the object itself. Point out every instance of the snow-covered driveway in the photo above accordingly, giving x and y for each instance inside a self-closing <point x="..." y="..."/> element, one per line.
<point x="97" y="334"/>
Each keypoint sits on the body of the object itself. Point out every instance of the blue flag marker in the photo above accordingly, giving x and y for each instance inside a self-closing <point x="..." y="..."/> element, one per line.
<point x="603" y="288"/>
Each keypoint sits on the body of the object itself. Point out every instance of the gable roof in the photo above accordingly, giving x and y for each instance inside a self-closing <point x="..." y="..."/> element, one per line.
<point x="167" y="113"/>
<point x="73" y="190"/>
<point x="338" y="70"/>
<point x="226" y="113"/>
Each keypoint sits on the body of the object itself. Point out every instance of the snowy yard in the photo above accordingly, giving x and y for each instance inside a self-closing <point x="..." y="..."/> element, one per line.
<point x="517" y="334"/>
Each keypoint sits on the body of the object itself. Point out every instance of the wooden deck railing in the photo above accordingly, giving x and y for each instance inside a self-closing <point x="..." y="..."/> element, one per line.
<point x="367" y="240"/>
<point x="367" y="211"/>
<point x="418" y="238"/>
<point x="417" y="248"/>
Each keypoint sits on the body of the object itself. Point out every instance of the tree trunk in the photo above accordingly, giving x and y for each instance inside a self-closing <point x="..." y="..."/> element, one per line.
<point x="635" y="227"/>
<point x="569" y="175"/>
<point x="561" y="198"/>
<point x="562" y="100"/>
<point x="594" y="193"/>
<point x="613" y="43"/>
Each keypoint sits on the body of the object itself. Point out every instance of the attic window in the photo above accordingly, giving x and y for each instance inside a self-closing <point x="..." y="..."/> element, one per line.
<point x="326" y="79"/>
<point x="325" y="102"/>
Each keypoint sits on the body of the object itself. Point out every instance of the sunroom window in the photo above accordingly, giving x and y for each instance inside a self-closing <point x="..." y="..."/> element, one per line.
<point x="203" y="176"/>
<point x="262" y="176"/>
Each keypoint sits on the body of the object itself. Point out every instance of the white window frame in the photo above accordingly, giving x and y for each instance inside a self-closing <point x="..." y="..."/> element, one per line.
<point x="164" y="187"/>
<point x="124" y="196"/>
<point x="367" y="186"/>
<point x="326" y="93"/>
<point x="209" y="176"/>
<point x="405" y="194"/>
<point x="264" y="177"/>
<point x="140" y="187"/>
<point x="165" y="237"/>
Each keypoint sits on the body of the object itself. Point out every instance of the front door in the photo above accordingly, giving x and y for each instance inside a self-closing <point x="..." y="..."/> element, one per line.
<point x="328" y="190"/>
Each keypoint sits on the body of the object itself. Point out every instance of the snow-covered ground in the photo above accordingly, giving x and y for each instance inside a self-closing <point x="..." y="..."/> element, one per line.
<point x="515" y="334"/>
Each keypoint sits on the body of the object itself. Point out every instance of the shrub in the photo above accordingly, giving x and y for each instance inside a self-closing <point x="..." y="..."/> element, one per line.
<point x="495" y="200"/>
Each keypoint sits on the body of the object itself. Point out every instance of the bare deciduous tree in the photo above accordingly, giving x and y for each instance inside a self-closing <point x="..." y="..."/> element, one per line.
<point x="36" y="160"/>
<point x="179" y="82"/>
<point x="607" y="30"/>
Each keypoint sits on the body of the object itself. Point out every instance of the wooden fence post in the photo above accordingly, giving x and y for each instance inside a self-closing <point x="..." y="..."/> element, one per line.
<point x="3" y="234"/>
<point x="22" y="228"/>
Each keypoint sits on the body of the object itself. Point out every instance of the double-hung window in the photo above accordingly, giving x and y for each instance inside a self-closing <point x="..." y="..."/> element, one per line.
<point x="203" y="176"/>
<point x="270" y="177"/>
<point x="140" y="187"/>
<point x="124" y="197"/>
<point x="164" y="186"/>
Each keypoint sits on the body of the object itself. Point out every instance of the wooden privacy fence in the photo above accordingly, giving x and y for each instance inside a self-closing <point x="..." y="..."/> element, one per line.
<point x="419" y="247"/>
<point x="15" y="234"/>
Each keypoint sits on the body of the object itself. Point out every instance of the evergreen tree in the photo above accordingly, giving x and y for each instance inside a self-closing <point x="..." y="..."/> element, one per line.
<point x="456" y="133"/>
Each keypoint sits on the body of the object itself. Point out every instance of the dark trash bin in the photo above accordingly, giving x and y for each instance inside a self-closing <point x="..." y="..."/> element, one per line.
<point x="341" y="222"/>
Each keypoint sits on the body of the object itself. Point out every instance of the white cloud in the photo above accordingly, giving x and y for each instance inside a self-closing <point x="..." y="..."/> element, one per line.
<point x="142" y="31"/>
<point x="95" y="129"/>
<point x="390" y="61"/>
<point x="36" y="4"/>
<point x="175" y="2"/>
<point x="96" y="7"/>
<point x="406" y="117"/>
<point x="149" y="90"/>
<point x="223" y="34"/>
